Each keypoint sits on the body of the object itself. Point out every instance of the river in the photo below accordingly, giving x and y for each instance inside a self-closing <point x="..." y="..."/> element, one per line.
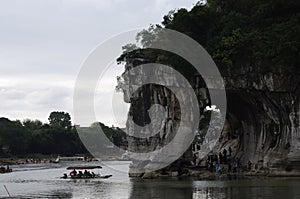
<point x="43" y="181"/>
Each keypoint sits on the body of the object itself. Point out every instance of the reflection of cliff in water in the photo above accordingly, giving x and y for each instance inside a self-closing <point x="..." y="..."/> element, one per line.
<point x="161" y="189"/>
<point x="174" y="188"/>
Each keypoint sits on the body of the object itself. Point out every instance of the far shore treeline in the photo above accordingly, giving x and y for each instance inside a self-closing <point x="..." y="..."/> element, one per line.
<point x="58" y="137"/>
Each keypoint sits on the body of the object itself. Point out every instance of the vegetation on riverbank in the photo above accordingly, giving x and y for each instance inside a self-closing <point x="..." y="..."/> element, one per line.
<point x="32" y="138"/>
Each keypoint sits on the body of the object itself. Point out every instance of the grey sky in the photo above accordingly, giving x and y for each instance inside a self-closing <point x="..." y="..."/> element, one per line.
<point x="43" y="44"/>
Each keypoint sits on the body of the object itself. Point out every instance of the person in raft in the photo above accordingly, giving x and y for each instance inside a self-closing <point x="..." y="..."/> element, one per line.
<point x="73" y="173"/>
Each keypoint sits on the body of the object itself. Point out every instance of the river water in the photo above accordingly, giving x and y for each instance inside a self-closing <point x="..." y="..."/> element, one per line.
<point x="43" y="181"/>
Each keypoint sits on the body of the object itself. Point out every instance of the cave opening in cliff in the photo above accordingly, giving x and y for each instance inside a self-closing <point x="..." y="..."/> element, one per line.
<point x="252" y="128"/>
<point x="242" y="127"/>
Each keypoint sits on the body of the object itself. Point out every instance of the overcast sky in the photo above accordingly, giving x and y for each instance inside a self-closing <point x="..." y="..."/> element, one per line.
<point x="44" y="43"/>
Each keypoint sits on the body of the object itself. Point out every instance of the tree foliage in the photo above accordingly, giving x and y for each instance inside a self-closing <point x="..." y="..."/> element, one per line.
<point x="236" y="33"/>
<point x="58" y="137"/>
<point x="60" y="119"/>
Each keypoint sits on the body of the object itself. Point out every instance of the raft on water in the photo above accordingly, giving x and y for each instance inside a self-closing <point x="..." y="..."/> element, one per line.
<point x="86" y="175"/>
<point x="5" y="170"/>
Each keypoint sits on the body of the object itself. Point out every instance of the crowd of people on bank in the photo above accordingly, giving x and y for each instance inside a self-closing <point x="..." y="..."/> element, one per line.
<point x="215" y="161"/>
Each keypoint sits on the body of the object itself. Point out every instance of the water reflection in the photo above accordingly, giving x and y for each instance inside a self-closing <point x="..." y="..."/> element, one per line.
<point x="210" y="192"/>
<point x="163" y="188"/>
<point x="252" y="188"/>
<point x="176" y="188"/>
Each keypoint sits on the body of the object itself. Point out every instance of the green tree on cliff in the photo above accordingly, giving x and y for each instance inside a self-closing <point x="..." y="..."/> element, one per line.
<point x="236" y="33"/>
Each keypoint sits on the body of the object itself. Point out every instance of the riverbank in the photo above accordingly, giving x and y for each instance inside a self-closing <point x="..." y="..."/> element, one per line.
<point x="43" y="159"/>
<point x="204" y="174"/>
<point x="30" y="159"/>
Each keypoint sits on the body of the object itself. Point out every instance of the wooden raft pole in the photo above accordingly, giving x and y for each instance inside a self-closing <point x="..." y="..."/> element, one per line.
<point x="7" y="191"/>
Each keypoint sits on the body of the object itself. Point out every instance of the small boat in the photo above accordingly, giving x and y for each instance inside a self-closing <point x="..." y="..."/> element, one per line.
<point x="84" y="175"/>
<point x="5" y="170"/>
<point x="125" y="156"/>
<point x="67" y="159"/>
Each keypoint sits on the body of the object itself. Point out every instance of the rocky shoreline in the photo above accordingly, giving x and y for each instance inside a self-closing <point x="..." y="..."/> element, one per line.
<point x="205" y="174"/>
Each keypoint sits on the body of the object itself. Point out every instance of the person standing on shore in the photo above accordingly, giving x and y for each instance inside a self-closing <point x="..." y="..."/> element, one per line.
<point x="220" y="158"/>
<point x="229" y="166"/>
<point x="235" y="165"/>
<point x="224" y="156"/>
<point x="217" y="168"/>
<point x="249" y="165"/>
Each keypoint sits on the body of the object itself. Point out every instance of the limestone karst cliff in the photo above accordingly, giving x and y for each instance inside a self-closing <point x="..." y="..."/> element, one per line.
<point x="257" y="53"/>
<point x="262" y="118"/>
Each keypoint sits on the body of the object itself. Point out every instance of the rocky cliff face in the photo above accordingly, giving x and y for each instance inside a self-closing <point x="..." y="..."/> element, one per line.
<point x="262" y="120"/>
<point x="263" y="117"/>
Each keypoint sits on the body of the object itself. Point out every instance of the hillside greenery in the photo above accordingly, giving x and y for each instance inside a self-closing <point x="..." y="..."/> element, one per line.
<point x="236" y="33"/>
